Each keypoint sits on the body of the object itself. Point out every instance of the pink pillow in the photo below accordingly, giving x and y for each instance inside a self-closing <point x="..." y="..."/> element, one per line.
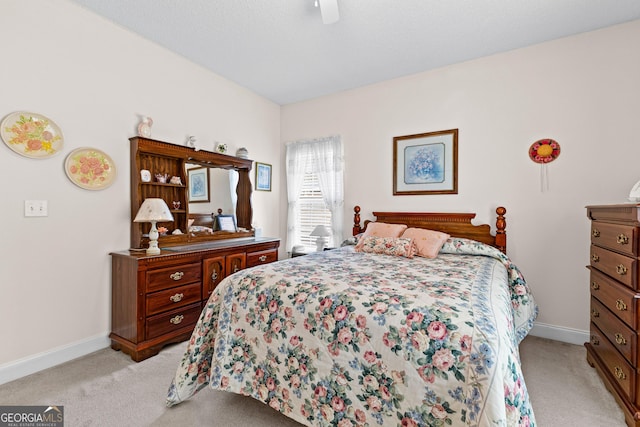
<point x="428" y="242"/>
<point x="382" y="229"/>
<point x="397" y="246"/>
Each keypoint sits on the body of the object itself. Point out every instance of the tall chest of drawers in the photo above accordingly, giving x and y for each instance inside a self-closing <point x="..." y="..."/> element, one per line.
<point x="615" y="294"/>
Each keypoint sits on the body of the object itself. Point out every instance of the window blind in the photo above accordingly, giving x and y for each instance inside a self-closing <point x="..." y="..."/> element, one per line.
<point x="313" y="211"/>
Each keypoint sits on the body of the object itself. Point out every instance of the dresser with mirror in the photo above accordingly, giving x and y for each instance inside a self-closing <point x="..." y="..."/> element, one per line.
<point x="156" y="299"/>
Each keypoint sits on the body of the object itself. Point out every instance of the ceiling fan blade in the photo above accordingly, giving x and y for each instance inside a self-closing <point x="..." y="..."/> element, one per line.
<point x="329" y="11"/>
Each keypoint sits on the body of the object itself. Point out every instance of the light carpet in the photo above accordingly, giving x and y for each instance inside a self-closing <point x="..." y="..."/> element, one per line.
<point x="107" y="388"/>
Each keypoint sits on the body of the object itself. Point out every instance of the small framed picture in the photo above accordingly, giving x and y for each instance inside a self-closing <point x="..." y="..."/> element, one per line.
<point x="226" y="223"/>
<point x="198" y="185"/>
<point x="263" y="177"/>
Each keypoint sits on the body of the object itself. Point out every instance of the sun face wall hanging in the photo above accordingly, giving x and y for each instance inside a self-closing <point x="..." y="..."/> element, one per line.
<point x="543" y="152"/>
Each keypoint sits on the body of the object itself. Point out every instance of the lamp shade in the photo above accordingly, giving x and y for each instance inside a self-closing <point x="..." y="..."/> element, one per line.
<point x="153" y="210"/>
<point x="320" y="231"/>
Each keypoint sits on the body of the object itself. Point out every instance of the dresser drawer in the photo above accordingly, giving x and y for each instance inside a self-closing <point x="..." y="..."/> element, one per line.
<point x="620" y="267"/>
<point x="168" y="299"/>
<point x="164" y="278"/>
<point x="618" y="299"/>
<point x="620" y="238"/>
<point x="261" y="257"/>
<point x="623" y="338"/>
<point x="619" y="369"/>
<point x="175" y="320"/>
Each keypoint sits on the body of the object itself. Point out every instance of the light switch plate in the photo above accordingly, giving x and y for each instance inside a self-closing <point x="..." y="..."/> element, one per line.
<point x="35" y="208"/>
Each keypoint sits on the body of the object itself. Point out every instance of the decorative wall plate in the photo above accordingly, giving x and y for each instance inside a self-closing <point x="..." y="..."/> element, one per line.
<point x="90" y="168"/>
<point x="544" y="151"/>
<point x="31" y="135"/>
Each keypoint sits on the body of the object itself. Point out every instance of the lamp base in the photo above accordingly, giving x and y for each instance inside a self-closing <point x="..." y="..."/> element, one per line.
<point x="321" y="242"/>
<point x="153" y="240"/>
<point x="151" y="250"/>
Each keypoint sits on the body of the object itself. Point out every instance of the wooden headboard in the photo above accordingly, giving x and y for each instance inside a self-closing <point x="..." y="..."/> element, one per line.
<point x="454" y="224"/>
<point x="204" y="219"/>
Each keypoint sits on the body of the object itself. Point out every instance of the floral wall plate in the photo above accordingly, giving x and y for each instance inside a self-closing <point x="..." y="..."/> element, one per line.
<point x="90" y="168"/>
<point x="31" y="135"/>
<point x="544" y="151"/>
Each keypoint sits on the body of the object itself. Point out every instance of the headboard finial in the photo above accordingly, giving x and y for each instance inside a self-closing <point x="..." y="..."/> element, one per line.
<point x="356" y="221"/>
<point x="501" y="225"/>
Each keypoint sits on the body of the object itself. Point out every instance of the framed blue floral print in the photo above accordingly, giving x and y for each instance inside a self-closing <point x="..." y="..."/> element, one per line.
<point x="263" y="177"/>
<point x="426" y="163"/>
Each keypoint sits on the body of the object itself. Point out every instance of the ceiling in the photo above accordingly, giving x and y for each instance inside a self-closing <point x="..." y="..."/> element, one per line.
<point x="281" y="50"/>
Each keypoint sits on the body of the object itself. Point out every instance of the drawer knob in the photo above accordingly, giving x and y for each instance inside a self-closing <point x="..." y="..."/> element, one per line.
<point x="595" y="286"/>
<point x="176" y="320"/>
<point x="622" y="239"/>
<point x="595" y="340"/>
<point x="621" y="269"/>
<point x="620" y="305"/>
<point x="177" y="275"/>
<point x="595" y="232"/>
<point x="595" y="258"/>
<point x="595" y="313"/>
<point x="236" y="268"/>
<point x="214" y="276"/>
<point x="263" y="258"/>
<point x="176" y="297"/>
<point x="620" y="339"/>
<point x="619" y="373"/>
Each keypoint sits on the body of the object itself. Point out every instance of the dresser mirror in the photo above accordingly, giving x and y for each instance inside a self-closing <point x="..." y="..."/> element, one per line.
<point x="171" y="160"/>
<point x="219" y="192"/>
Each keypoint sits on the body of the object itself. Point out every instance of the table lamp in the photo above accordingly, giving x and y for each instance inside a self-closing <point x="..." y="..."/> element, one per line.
<point x="322" y="233"/>
<point x="153" y="210"/>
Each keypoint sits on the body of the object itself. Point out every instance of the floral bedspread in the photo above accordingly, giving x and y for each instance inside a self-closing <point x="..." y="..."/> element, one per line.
<point x="343" y="338"/>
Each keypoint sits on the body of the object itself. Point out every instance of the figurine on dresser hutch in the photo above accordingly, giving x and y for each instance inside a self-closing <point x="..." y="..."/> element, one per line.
<point x="615" y="291"/>
<point x="157" y="299"/>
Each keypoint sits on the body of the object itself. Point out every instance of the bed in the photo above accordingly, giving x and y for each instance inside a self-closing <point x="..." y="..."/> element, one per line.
<point x="365" y="335"/>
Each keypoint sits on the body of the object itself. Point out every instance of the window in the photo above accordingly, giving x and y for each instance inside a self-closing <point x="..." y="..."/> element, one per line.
<point x="313" y="211"/>
<point x="314" y="191"/>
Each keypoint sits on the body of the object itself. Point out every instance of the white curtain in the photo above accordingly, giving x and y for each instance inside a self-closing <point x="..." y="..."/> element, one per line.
<point x="322" y="156"/>
<point x="296" y="158"/>
<point x="327" y="153"/>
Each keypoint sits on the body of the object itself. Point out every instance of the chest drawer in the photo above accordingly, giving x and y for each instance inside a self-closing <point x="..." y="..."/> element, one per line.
<point x="623" y="338"/>
<point x="261" y="257"/>
<point x="158" y="302"/>
<point x="172" y="321"/>
<point x="620" y="267"/>
<point x="620" y="238"/>
<point x="618" y="299"/>
<point x="164" y="278"/>
<point x="619" y="369"/>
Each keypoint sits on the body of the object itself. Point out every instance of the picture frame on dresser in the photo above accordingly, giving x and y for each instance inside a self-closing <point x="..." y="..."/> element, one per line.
<point x="226" y="223"/>
<point x="426" y="163"/>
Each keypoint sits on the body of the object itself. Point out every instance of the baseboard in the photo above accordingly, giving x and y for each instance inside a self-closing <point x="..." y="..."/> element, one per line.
<point x="32" y="364"/>
<point x="557" y="333"/>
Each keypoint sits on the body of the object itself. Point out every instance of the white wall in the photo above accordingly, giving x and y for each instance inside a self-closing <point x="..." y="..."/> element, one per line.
<point x="582" y="91"/>
<point x="93" y="79"/>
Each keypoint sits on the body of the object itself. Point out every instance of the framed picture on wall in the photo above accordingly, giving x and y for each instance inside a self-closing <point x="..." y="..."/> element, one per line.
<point x="426" y="163"/>
<point x="263" y="177"/>
<point x="199" y="185"/>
